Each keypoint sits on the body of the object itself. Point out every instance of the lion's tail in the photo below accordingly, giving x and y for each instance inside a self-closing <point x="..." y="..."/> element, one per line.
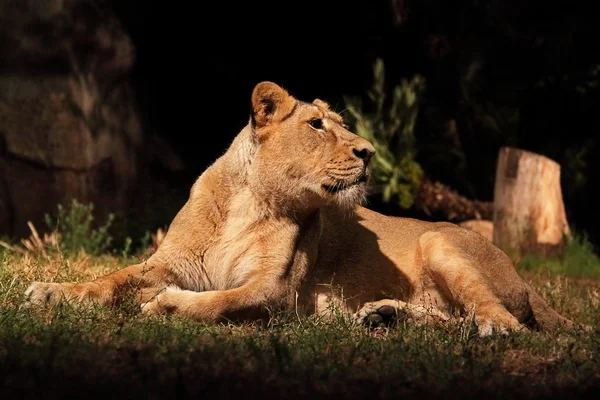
<point x="545" y="316"/>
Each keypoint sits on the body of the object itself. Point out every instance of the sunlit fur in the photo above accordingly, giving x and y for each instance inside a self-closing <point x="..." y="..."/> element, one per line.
<point x="293" y="160"/>
<point x="276" y="221"/>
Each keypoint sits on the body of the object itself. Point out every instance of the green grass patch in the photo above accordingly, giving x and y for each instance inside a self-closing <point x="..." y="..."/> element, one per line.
<point x="579" y="261"/>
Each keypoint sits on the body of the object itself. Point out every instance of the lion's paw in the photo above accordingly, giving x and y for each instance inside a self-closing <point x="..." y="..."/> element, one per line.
<point x="375" y="314"/>
<point x="490" y="326"/>
<point x="40" y="293"/>
<point x="153" y="306"/>
<point x="161" y="303"/>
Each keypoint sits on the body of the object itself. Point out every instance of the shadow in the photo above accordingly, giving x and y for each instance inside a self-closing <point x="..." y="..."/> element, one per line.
<point x="352" y="265"/>
<point x="337" y="256"/>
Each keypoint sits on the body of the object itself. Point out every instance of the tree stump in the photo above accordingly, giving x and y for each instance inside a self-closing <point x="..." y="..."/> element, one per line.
<point x="529" y="213"/>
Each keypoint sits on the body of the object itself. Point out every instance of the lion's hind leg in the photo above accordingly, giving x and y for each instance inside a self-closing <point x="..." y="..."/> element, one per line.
<point x="383" y="311"/>
<point x="457" y="276"/>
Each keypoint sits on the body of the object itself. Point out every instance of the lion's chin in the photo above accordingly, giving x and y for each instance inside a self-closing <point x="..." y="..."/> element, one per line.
<point x="341" y="187"/>
<point x="348" y="196"/>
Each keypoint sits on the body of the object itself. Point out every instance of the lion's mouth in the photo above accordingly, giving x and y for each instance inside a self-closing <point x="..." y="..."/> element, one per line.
<point x="340" y="186"/>
<point x="336" y="188"/>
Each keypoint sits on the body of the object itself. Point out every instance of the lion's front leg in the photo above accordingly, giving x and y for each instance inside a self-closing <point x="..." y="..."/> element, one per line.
<point x="103" y="290"/>
<point x="201" y="306"/>
<point x="212" y="306"/>
<point x="40" y="293"/>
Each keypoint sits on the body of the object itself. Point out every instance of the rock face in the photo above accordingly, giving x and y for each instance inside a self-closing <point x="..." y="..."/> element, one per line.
<point x="69" y="123"/>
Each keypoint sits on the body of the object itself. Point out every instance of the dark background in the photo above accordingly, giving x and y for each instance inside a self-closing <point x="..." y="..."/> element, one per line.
<point x="497" y="73"/>
<point x="196" y="68"/>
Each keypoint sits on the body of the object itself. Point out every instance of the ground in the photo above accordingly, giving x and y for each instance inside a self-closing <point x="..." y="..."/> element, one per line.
<point x="63" y="352"/>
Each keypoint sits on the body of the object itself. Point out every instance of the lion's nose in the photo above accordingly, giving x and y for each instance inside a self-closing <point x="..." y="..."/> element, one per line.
<point x="363" y="150"/>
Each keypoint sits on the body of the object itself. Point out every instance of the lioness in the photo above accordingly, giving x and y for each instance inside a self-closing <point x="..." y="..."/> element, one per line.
<point x="277" y="221"/>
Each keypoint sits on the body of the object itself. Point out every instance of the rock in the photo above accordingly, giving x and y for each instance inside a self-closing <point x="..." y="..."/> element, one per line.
<point x="69" y="121"/>
<point x="436" y="199"/>
<point x="481" y="226"/>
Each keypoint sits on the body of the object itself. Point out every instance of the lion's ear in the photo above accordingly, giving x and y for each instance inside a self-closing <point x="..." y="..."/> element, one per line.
<point x="321" y="103"/>
<point x="270" y="102"/>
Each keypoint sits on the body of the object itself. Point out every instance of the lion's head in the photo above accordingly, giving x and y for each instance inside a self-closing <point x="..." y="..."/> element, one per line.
<point x="305" y="152"/>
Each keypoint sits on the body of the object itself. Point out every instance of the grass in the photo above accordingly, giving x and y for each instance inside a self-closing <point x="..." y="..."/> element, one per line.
<point x="102" y="352"/>
<point x="62" y="351"/>
<point x="579" y="260"/>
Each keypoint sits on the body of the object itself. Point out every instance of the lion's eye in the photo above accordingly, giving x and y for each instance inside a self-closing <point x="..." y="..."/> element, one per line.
<point x="316" y="123"/>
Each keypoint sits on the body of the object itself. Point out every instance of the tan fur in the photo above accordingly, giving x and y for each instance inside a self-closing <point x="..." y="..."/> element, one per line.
<point x="276" y="222"/>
